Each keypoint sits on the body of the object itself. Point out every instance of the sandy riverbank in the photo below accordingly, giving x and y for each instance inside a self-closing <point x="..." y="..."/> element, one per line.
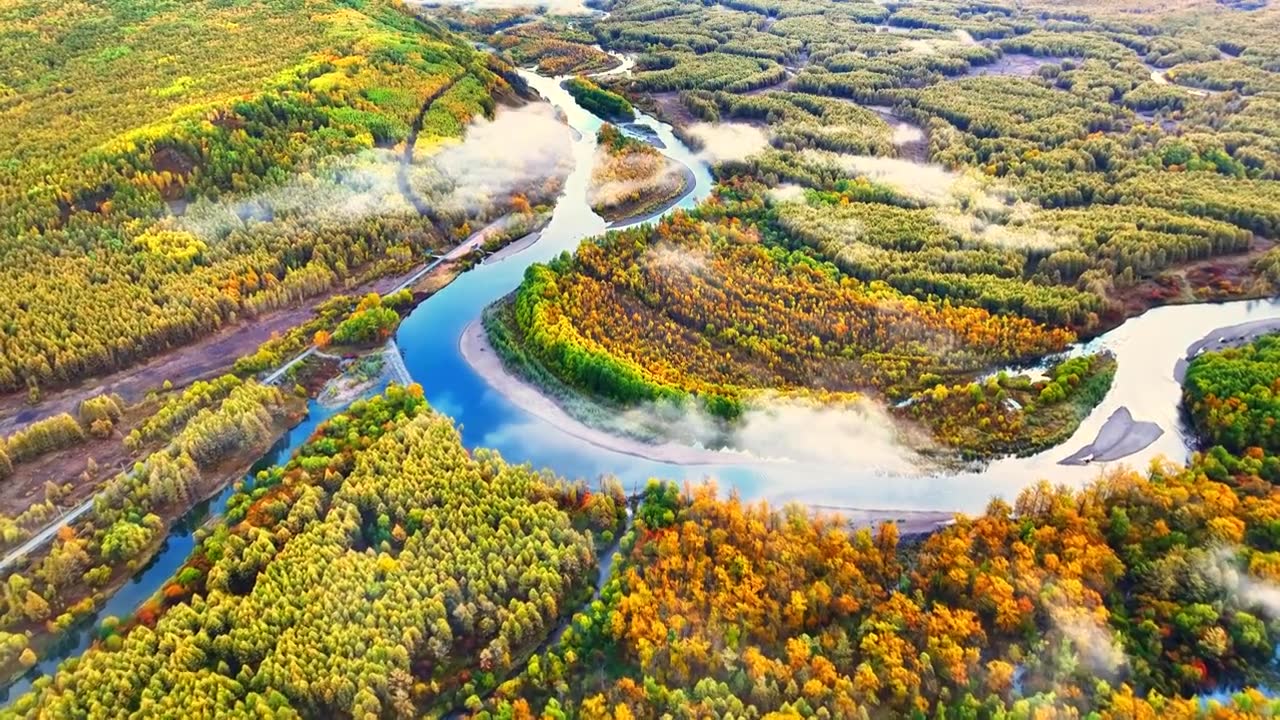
<point x="910" y="523"/>
<point x="1119" y="437"/>
<point x="514" y="248"/>
<point x="480" y="355"/>
<point x="644" y="133"/>
<point x="1223" y="338"/>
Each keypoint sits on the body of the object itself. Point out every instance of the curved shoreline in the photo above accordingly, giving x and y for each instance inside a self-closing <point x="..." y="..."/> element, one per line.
<point x="479" y="354"/>
<point x="511" y="249"/>
<point x="911" y="524"/>
<point x="1121" y="435"/>
<point x="1225" y="338"/>
<point x="690" y="182"/>
<point x="1118" y="438"/>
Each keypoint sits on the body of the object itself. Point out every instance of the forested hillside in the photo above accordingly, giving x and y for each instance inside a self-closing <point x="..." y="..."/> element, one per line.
<point x="138" y="139"/>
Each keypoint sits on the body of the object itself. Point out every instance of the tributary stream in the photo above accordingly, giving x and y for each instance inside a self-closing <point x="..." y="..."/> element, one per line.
<point x="1147" y="348"/>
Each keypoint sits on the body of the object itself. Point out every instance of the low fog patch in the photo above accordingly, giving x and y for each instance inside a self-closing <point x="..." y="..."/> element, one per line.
<point x="520" y="149"/>
<point x="632" y="175"/>
<point x="858" y="433"/>
<point x="667" y="259"/>
<point x="787" y="192"/>
<point x="972" y="206"/>
<point x="990" y="211"/>
<point x="728" y="140"/>
<point x="921" y="46"/>
<point x="906" y="134"/>
<point x="549" y="7"/>
<point x="1246" y="591"/>
<point x="502" y="156"/>
<point x="1094" y="642"/>
<point x="825" y="437"/>
<point x="341" y="189"/>
<point x="927" y="182"/>
<point x="1000" y="232"/>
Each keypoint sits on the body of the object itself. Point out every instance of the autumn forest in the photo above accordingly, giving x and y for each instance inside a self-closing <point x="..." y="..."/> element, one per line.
<point x="834" y="359"/>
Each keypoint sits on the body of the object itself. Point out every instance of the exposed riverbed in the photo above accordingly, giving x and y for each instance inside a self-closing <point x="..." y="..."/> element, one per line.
<point x="508" y="415"/>
<point x="871" y="476"/>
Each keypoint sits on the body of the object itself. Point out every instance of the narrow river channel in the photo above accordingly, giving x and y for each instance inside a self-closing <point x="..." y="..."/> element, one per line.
<point x="431" y="333"/>
<point x="1147" y="348"/>
<point x="177" y="546"/>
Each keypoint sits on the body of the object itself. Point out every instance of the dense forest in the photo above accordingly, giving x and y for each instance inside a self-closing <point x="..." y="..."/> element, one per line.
<point x="1014" y="414"/>
<point x="200" y="435"/>
<point x="700" y="304"/>
<point x="373" y="320"/>
<point x="1058" y="110"/>
<point x="941" y="188"/>
<point x="1233" y="396"/>
<point x="554" y="47"/>
<point x="1121" y="600"/>
<point x="152" y="196"/>
<point x="1116" y="601"/>
<point x="383" y="571"/>
<point x="1043" y="167"/>
<point x="706" y="307"/>
<point x="595" y="99"/>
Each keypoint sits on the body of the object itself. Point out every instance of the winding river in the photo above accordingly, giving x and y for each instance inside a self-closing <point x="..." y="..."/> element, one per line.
<point x="868" y="477"/>
<point x="1147" y="348"/>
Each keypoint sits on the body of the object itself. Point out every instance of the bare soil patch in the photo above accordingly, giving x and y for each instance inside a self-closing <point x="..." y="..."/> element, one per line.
<point x="26" y="486"/>
<point x="1227" y="277"/>
<point x="669" y="109"/>
<point x="208" y="357"/>
<point x="172" y="161"/>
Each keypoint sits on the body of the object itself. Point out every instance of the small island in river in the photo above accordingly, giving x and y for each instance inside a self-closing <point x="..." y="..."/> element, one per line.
<point x="923" y="235"/>
<point x="632" y="180"/>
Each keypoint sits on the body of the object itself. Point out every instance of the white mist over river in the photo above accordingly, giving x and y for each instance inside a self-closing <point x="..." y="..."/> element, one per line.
<point x="822" y="459"/>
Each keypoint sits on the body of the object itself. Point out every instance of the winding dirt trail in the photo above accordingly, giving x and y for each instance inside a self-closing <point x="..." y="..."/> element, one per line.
<point x="406" y="158"/>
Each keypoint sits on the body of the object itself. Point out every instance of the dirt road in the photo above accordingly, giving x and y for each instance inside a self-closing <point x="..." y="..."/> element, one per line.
<point x="208" y="357"/>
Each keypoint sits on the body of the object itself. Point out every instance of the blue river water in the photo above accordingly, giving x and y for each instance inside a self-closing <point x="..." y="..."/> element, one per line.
<point x="837" y="462"/>
<point x="429" y="337"/>
<point x="172" y="554"/>
<point x="449" y="383"/>
<point x="857" y="470"/>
